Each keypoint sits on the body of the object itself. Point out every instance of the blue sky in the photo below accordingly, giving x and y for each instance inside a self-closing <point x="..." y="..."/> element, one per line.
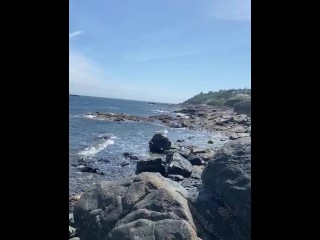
<point x="158" y="50"/>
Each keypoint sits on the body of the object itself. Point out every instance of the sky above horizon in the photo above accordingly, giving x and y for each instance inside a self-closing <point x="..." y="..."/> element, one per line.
<point x="160" y="51"/>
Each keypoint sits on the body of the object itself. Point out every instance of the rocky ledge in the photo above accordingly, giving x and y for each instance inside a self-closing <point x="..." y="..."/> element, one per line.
<point x="196" y="117"/>
<point x="155" y="204"/>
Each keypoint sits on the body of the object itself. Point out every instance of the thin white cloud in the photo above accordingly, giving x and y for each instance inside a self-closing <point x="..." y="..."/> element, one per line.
<point x="236" y="10"/>
<point x="76" y="33"/>
<point x="87" y="78"/>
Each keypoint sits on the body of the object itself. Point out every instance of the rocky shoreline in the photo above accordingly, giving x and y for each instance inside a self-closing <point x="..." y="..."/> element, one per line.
<point x="195" y="117"/>
<point x="183" y="192"/>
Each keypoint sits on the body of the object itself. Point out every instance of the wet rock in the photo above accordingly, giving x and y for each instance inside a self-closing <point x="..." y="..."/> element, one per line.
<point x="180" y="140"/>
<point x="130" y="156"/>
<point x="125" y="164"/>
<point x="178" y="165"/>
<point x="159" y="143"/>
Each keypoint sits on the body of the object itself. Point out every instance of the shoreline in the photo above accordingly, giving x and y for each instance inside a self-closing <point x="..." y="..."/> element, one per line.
<point x="194" y="117"/>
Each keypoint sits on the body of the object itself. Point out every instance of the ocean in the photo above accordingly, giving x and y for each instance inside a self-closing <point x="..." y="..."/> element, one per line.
<point x="102" y="143"/>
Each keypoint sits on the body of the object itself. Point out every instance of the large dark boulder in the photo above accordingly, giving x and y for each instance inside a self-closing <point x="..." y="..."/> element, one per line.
<point x="147" y="206"/>
<point x="229" y="174"/>
<point x="159" y="143"/>
<point x="152" y="165"/>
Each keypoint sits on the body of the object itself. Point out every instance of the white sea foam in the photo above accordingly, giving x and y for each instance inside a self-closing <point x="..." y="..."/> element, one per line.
<point x="164" y="132"/>
<point x="161" y="111"/>
<point x="89" y="116"/>
<point x="182" y="115"/>
<point x="93" y="150"/>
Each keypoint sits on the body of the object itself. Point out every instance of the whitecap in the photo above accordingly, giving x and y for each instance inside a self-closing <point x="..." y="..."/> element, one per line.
<point x="93" y="150"/>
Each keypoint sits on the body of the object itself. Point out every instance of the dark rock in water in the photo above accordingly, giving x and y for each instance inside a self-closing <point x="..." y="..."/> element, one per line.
<point x="178" y="165"/>
<point x="229" y="174"/>
<point x="125" y="164"/>
<point x="159" y="143"/>
<point x="210" y="142"/>
<point x="152" y="165"/>
<point x="104" y="160"/>
<point x="175" y="125"/>
<point x="190" y="137"/>
<point x="185" y="124"/>
<point x="88" y="168"/>
<point x="82" y="161"/>
<point x="130" y="156"/>
<point x="127" y="154"/>
<point x="195" y="159"/>
<point x="177" y="178"/>
<point x="147" y="206"/>
<point x="233" y="137"/>
<point x="180" y="140"/>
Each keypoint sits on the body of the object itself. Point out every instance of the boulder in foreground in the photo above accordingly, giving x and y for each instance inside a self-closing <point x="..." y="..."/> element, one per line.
<point x="159" y="143"/>
<point x="229" y="174"/>
<point x="147" y="206"/>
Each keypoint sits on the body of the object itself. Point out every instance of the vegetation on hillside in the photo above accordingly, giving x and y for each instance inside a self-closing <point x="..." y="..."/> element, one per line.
<point x="221" y="98"/>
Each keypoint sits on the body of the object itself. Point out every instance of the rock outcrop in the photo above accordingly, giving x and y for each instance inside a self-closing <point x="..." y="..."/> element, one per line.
<point x="229" y="174"/>
<point x="147" y="206"/>
<point x="222" y="206"/>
